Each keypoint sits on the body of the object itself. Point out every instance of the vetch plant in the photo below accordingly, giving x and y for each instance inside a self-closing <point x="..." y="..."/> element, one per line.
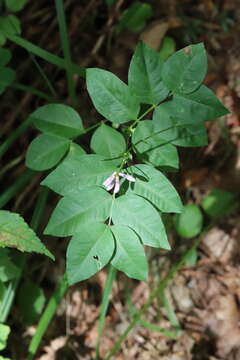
<point x="110" y="223"/>
<point x="115" y="189"/>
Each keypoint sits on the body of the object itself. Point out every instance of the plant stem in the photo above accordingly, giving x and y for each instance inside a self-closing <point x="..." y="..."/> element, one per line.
<point x="14" y="136"/>
<point x="53" y="59"/>
<point x="11" y="191"/>
<point x="12" y="287"/>
<point x="112" y="271"/>
<point x="163" y="284"/>
<point x="32" y="90"/>
<point x="66" y="49"/>
<point x="44" y="76"/>
<point x="47" y="316"/>
<point x="142" y="116"/>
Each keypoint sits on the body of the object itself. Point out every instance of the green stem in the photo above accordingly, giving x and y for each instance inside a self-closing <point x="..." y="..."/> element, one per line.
<point x="163" y="284"/>
<point x="47" y="316"/>
<point x="142" y="116"/>
<point x="104" y="305"/>
<point x="10" y="165"/>
<point x="44" y="76"/>
<point x="66" y="49"/>
<point x="32" y="90"/>
<point x="14" y="136"/>
<point x="9" y="296"/>
<point x="12" y="190"/>
<point x="53" y="59"/>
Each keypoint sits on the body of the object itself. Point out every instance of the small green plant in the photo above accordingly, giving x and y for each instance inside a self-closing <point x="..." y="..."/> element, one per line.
<point x="114" y="188"/>
<point x="113" y="199"/>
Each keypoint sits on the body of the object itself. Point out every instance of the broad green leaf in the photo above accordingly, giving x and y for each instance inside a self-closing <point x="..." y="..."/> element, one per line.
<point x="10" y="24"/>
<point x="108" y="142"/>
<point x="85" y="207"/>
<point x="5" y="56"/>
<point x="3" y="290"/>
<point x="15" y="5"/>
<point x="138" y="214"/>
<point x="4" y="332"/>
<point x="129" y="255"/>
<point x="190" y="222"/>
<point x="7" y="77"/>
<point x="111" y="96"/>
<point x="46" y="151"/>
<point x="8" y="270"/>
<point x="168" y="47"/>
<point x="151" y="145"/>
<point x="76" y="150"/>
<point x="185" y="70"/>
<point x="200" y="106"/>
<point x="15" y="233"/>
<point x="2" y="42"/>
<point x="155" y="187"/>
<point x="89" y="251"/>
<point x="170" y="130"/>
<point x="74" y="174"/>
<point x="134" y="18"/>
<point x="31" y="300"/>
<point x="58" y="119"/>
<point x="218" y="203"/>
<point x="144" y="77"/>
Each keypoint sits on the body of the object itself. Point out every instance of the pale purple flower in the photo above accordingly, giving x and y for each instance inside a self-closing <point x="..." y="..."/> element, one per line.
<point x="113" y="181"/>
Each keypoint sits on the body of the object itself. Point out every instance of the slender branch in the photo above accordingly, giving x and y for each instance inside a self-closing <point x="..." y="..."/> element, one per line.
<point x="66" y="49"/>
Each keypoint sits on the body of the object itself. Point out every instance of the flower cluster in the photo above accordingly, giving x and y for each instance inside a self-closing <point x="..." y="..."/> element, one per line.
<point x="113" y="181"/>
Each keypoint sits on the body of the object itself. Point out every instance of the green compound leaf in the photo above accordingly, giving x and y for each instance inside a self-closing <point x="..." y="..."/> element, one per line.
<point x="108" y="142"/>
<point x="10" y="24"/>
<point x="4" y="332"/>
<point x="150" y="144"/>
<point x="76" y="173"/>
<point x="144" y="77"/>
<point x="200" y="106"/>
<point x="85" y="207"/>
<point x="89" y="251"/>
<point x="190" y="222"/>
<point x="169" y="129"/>
<point x="15" y="5"/>
<point x="15" y="233"/>
<point x="31" y="300"/>
<point x="111" y="97"/>
<point x="156" y="188"/>
<point x="58" y="119"/>
<point x="5" y="56"/>
<point x="46" y="151"/>
<point x="185" y="70"/>
<point x="7" y="77"/>
<point x="134" y="18"/>
<point x="138" y="214"/>
<point x="129" y="256"/>
<point x="8" y="270"/>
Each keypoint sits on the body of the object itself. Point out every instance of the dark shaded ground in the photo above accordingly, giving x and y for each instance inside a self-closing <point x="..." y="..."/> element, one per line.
<point x="205" y="297"/>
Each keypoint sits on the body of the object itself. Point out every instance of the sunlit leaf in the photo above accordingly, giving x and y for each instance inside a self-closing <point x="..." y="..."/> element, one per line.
<point x="129" y="256"/>
<point x="111" y="97"/>
<point x="15" y="233"/>
<point x="89" y="251"/>
<point x="155" y="187"/>
<point x="85" y="207"/>
<point x="140" y="216"/>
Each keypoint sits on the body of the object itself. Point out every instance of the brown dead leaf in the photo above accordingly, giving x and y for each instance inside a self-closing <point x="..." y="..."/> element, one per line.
<point x="154" y="33"/>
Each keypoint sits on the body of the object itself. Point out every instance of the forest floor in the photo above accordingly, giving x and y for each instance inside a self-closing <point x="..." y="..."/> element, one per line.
<point x="202" y="299"/>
